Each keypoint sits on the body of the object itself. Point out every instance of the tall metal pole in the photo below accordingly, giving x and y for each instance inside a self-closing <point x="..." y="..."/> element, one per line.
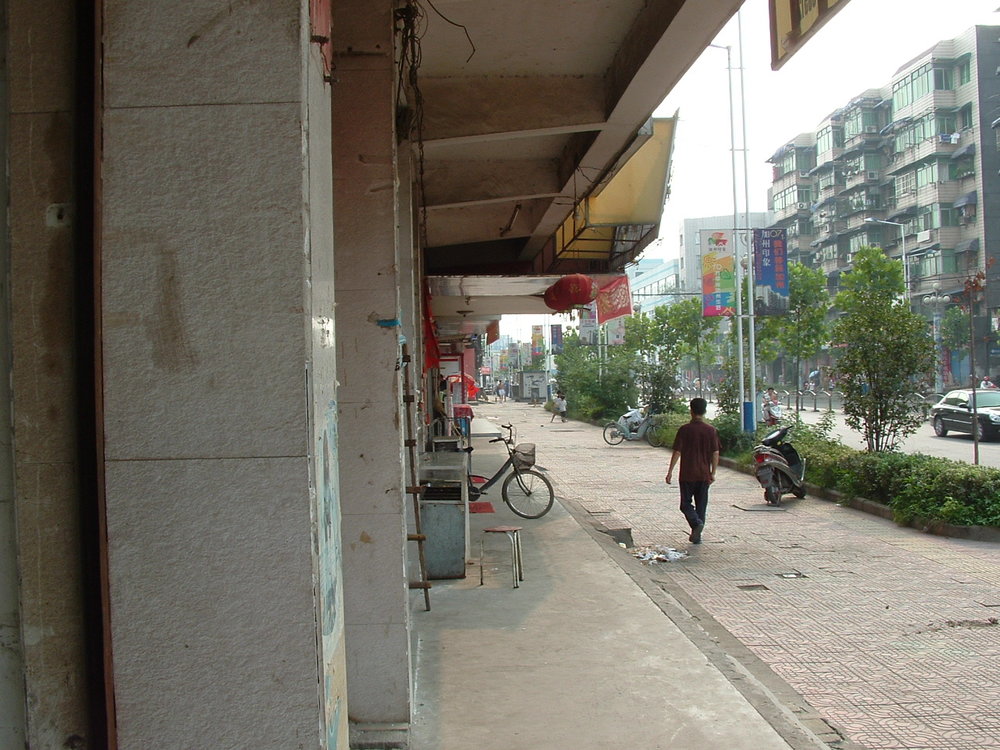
<point x="736" y="245"/>
<point x="750" y="421"/>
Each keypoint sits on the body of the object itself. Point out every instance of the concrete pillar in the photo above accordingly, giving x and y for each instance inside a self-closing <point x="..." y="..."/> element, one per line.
<point x="219" y="378"/>
<point x="40" y="461"/>
<point x="368" y="278"/>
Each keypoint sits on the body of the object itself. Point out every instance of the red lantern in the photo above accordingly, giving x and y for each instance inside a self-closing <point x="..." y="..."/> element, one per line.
<point x="569" y="292"/>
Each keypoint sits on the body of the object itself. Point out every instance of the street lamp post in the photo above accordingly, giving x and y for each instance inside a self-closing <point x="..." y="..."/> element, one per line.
<point x="902" y="245"/>
<point x="936" y="301"/>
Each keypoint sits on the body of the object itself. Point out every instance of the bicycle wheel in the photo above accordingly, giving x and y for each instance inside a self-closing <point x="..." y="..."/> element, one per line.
<point x="653" y="436"/>
<point x="612" y="435"/>
<point x="528" y="493"/>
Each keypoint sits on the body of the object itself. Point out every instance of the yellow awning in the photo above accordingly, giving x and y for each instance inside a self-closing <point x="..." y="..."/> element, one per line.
<point x="634" y="195"/>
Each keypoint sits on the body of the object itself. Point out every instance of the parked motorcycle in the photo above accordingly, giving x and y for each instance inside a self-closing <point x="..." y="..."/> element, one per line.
<point x="634" y="424"/>
<point x="778" y="467"/>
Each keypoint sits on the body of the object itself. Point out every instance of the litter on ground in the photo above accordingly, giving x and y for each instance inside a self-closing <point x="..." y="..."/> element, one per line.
<point x="657" y="554"/>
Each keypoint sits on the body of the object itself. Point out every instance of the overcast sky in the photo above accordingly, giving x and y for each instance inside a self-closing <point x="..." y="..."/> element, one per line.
<point x="861" y="47"/>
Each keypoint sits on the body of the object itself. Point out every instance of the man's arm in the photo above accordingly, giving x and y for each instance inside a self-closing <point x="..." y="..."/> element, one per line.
<point x="715" y="464"/>
<point x="674" y="457"/>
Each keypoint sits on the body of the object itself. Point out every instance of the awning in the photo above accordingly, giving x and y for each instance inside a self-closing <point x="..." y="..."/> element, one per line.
<point x="634" y="195"/>
<point x="967" y="150"/>
<point x="829" y="199"/>
<point x="908" y="211"/>
<point x="893" y="126"/>
<point x="969" y="199"/>
<point x="967" y="245"/>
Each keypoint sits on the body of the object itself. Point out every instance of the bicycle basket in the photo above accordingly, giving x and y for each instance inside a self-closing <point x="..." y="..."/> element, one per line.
<point x="524" y="455"/>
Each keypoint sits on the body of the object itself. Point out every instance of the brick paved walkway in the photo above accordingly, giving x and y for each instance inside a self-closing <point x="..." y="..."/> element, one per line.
<point x="889" y="633"/>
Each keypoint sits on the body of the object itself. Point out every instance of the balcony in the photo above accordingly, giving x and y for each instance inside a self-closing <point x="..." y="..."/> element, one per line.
<point x="858" y="177"/>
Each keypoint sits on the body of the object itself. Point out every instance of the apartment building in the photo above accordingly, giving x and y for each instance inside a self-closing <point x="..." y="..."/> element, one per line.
<point x="911" y="167"/>
<point x="654" y="282"/>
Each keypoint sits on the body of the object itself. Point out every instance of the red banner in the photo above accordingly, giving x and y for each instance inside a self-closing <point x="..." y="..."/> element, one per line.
<point x="614" y="300"/>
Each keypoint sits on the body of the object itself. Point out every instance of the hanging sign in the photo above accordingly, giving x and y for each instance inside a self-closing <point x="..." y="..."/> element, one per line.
<point x="718" y="276"/>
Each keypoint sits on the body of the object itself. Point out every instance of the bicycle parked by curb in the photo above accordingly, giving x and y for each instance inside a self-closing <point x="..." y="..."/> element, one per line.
<point x="526" y="491"/>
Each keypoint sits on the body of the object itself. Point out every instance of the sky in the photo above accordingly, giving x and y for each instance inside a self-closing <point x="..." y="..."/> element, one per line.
<point x="860" y="47"/>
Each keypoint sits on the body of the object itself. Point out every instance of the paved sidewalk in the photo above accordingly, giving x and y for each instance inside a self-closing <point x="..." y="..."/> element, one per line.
<point x="890" y="634"/>
<point x="582" y="655"/>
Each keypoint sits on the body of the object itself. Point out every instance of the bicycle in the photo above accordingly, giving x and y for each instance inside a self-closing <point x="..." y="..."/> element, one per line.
<point x="526" y="491"/>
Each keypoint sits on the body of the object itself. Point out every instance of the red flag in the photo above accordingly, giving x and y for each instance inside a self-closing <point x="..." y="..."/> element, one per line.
<point x="492" y="332"/>
<point x="614" y="300"/>
<point x="432" y="354"/>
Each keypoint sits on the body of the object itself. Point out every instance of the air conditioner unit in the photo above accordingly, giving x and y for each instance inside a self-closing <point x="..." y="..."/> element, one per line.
<point x="871" y="129"/>
<point x="871" y="175"/>
<point x="924" y="236"/>
<point x="800" y="206"/>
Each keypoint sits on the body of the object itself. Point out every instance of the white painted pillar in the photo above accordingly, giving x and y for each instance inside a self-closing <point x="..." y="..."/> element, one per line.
<point x="368" y="285"/>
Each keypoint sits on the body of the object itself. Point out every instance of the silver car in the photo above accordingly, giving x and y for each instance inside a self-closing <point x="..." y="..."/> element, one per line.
<point x="953" y="413"/>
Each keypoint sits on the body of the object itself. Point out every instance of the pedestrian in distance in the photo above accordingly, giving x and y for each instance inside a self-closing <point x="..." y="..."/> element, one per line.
<point x="559" y="406"/>
<point x="771" y="410"/>
<point x="697" y="447"/>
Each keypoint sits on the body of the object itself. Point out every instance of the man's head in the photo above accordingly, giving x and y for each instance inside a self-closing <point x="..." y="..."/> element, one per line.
<point x="770" y="391"/>
<point x="698" y="407"/>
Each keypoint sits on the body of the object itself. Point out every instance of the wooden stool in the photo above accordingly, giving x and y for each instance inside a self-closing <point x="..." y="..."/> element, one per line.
<point x="514" y="535"/>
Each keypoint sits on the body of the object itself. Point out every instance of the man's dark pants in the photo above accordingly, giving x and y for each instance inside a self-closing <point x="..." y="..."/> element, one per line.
<point x="694" y="502"/>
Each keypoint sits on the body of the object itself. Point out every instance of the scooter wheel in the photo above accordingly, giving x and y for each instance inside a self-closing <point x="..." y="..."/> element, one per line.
<point x="772" y="495"/>
<point x="799" y="493"/>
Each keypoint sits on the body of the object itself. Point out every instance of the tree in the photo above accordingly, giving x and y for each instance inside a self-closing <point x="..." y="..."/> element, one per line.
<point x="955" y="329"/>
<point x="654" y="360"/>
<point x="804" y="330"/>
<point x="688" y="332"/>
<point x="596" y="389"/>
<point x="886" y="352"/>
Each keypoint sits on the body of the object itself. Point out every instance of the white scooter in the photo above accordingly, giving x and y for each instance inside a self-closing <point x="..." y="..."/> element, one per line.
<point x="778" y="467"/>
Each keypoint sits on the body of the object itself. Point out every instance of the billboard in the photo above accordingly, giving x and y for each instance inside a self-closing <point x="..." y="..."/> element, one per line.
<point x="770" y="272"/>
<point x="793" y="22"/>
<point x="718" y="275"/>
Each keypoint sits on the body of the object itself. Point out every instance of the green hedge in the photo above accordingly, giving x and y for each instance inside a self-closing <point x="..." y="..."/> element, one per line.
<point x="916" y="487"/>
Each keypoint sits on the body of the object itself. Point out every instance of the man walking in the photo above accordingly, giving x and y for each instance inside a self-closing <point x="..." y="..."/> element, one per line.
<point x="697" y="446"/>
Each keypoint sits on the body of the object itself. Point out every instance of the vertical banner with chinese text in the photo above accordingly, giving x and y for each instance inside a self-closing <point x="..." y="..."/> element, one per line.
<point x="555" y="336"/>
<point x="718" y="276"/>
<point x="588" y="324"/>
<point x="537" y="341"/>
<point x="770" y="270"/>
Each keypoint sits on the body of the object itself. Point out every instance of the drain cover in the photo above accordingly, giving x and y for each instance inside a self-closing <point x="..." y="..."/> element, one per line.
<point x="753" y="587"/>
<point x="793" y="574"/>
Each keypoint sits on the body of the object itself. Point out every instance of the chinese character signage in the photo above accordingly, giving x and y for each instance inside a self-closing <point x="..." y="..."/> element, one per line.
<point x="718" y="276"/>
<point x="588" y="324"/>
<point x="770" y="270"/>
<point x="555" y="336"/>
<point x="614" y="300"/>
<point x="616" y="332"/>
<point x="537" y="341"/>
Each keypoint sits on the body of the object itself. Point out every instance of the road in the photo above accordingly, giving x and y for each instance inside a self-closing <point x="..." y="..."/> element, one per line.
<point x="955" y="446"/>
<point x="889" y="633"/>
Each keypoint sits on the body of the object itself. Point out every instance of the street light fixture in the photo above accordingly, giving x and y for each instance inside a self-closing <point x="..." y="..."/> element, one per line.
<point x="902" y="245"/>
<point x="936" y="301"/>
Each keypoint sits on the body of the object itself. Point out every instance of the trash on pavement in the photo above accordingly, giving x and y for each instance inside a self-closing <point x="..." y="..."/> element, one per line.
<point x="657" y="553"/>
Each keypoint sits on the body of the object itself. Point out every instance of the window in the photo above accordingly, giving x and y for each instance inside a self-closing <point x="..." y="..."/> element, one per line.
<point x="905" y="183"/>
<point x="965" y="120"/>
<point x="944" y="80"/>
<point x="964" y="72"/>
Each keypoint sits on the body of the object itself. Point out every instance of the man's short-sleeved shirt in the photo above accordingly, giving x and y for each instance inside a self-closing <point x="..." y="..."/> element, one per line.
<point x="696" y="442"/>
